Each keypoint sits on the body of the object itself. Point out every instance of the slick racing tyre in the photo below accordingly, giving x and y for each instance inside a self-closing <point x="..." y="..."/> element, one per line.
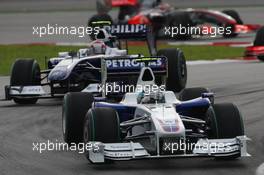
<point x="99" y="20"/>
<point x="25" y="73"/>
<point x="75" y="106"/>
<point x="224" y="121"/>
<point x="101" y="125"/>
<point x="234" y="14"/>
<point x="192" y="93"/>
<point x="181" y="19"/>
<point x="177" y="69"/>
<point x="259" y="41"/>
<point x="229" y="120"/>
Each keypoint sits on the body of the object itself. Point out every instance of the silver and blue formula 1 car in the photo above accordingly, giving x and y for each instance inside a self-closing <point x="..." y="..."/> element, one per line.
<point x="154" y="124"/>
<point x="81" y="71"/>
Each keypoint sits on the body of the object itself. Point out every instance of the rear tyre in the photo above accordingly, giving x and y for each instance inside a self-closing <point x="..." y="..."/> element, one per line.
<point x="180" y="20"/>
<point x="234" y="14"/>
<point x="101" y="125"/>
<point x="75" y="106"/>
<point x="228" y="123"/>
<point x="259" y="41"/>
<point x="192" y="93"/>
<point x="231" y="34"/>
<point x="177" y="69"/>
<point x="99" y="20"/>
<point x="25" y="73"/>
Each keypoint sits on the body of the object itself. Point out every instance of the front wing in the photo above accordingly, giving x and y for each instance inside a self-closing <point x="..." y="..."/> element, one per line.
<point x="34" y="91"/>
<point x="203" y="148"/>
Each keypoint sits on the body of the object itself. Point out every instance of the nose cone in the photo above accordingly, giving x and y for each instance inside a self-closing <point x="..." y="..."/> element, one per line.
<point x="58" y="74"/>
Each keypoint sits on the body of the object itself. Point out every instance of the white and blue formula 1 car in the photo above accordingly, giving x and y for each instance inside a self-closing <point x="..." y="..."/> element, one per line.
<point x="154" y="125"/>
<point x="75" y="72"/>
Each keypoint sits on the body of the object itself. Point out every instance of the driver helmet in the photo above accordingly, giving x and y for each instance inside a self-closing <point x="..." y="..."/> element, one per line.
<point x="98" y="47"/>
<point x="106" y="37"/>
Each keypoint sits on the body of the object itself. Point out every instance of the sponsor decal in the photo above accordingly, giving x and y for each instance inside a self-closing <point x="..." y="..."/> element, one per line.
<point x="126" y="29"/>
<point x="134" y="63"/>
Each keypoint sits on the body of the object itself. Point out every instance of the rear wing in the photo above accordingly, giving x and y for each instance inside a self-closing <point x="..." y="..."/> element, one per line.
<point x="133" y="32"/>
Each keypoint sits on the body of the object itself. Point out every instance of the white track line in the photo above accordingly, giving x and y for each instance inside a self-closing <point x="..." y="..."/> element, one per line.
<point x="201" y="62"/>
<point x="241" y="45"/>
<point x="260" y="170"/>
<point x="206" y="43"/>
<point x="190" y="43"/>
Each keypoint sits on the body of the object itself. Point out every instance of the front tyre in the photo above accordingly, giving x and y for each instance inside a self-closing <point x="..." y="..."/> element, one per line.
<point x="101" y="125"/>
<point x="75" y="106"/>
<point x="225" y="121"/>
<point x="229" y="120"/>
<point x="177" y="69"/>
<point x="25" y="73"/>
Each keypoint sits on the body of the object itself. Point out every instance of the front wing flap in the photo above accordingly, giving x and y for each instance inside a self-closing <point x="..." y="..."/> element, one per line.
<point x="34" y="91"/>
<point x="203" y="148"/>
<point x="25" y="90"/>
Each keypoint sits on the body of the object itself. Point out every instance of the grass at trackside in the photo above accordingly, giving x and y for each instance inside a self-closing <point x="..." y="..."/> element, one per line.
<point x="9" y="53"/>
<point x="202" y="52"/>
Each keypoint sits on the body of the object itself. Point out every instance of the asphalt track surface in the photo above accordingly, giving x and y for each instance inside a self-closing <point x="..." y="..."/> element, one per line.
<point x="20" y="126"/>
<point x="17" y="27"/>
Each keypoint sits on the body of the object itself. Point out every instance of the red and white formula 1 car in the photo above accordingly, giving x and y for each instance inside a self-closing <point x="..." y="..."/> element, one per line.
<point x="160" y="15"/>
